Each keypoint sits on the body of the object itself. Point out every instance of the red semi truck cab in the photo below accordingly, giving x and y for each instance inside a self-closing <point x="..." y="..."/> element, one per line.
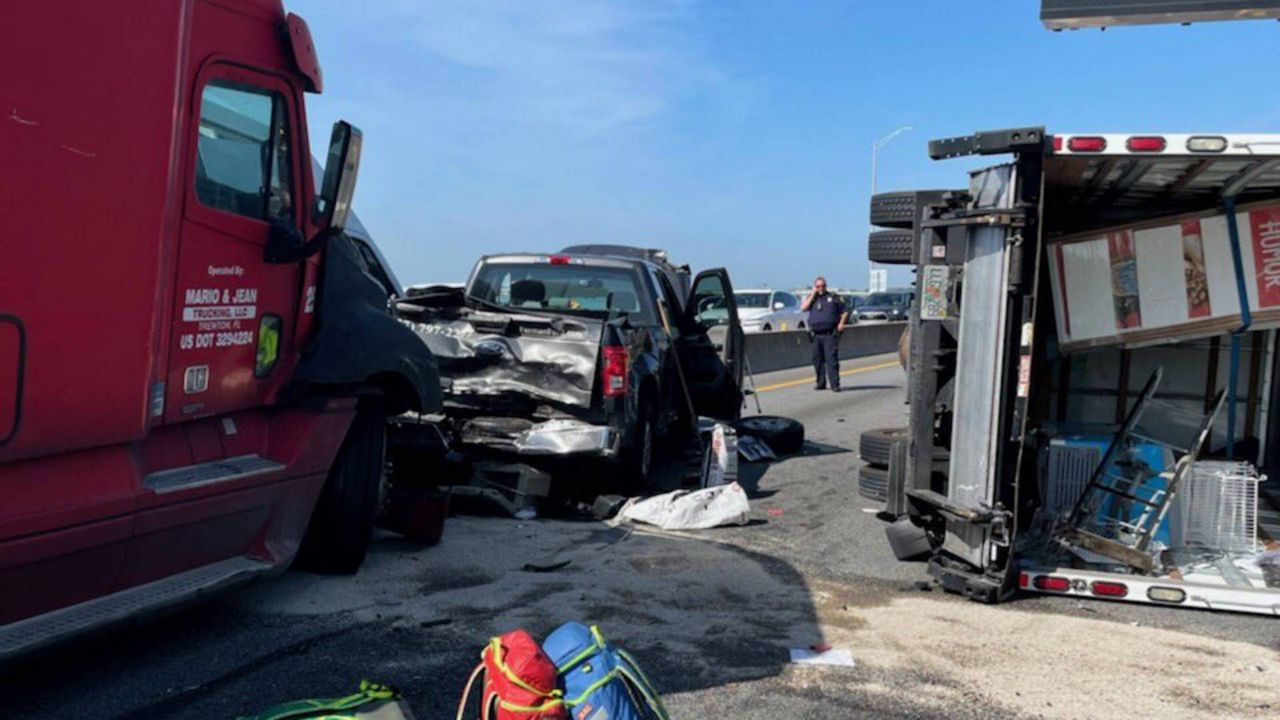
<point x="185" y="382"/>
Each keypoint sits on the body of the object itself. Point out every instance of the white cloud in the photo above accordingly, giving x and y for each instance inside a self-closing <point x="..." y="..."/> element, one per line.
<point x="585" y="66"/>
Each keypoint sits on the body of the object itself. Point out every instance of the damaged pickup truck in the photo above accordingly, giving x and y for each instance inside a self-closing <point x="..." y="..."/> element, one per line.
<point x="594" y="353"/>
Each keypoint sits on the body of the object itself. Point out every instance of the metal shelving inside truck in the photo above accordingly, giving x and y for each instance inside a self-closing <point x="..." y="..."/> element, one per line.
<point x="1092" y="361"/>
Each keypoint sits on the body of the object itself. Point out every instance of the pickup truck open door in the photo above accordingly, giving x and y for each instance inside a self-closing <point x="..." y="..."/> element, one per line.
<point x="712" y="346"/>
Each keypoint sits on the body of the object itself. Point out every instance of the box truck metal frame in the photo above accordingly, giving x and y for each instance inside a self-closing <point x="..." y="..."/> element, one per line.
<point x="996" y="371"/>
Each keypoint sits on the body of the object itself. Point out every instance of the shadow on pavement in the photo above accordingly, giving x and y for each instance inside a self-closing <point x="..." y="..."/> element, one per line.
<point x="860" y="388"/>
<point x="699" y="610"/>
<point x="698" y="615"/>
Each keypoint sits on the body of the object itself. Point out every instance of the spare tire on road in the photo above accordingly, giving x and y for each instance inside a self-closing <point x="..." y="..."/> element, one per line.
<point x="873" y="483"/>
<point x="783" y="435"/>
<point x="876" y="446"/>
<point x="892" y="247"/>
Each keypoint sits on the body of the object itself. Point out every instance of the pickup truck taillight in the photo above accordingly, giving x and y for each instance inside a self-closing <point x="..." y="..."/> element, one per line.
<point x="615" y="371"/>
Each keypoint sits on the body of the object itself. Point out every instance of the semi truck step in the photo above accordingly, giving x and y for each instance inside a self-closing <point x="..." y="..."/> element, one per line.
<point x="26" y="635"/>
<point x="191" y="476"/>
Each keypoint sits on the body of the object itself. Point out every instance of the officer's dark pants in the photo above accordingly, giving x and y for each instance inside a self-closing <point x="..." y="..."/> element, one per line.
<point x="826" y="359"/>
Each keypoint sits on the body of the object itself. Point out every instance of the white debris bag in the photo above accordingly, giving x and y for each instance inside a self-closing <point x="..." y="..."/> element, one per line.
<point x="690" y="509"/>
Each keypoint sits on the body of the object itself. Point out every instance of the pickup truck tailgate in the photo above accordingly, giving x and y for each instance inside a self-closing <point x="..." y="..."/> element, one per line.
<point x="483" y="353"/>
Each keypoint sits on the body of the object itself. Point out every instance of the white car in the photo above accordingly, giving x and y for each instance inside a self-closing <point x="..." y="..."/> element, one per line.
<point x="768" y="310"/>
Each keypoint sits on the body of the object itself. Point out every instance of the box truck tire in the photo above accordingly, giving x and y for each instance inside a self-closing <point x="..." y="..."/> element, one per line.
<point x="876" y="446"/>
<point x="873" y="483"/>
<point x="894" y="209"/>
<point x="892" y="247"/>
<point x="342" y="522"/>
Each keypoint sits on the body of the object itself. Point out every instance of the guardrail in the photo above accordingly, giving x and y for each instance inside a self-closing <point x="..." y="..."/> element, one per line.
<point x="768" y="351"/>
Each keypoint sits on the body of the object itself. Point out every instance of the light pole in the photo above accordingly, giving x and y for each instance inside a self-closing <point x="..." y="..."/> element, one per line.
<point x="875" y="152"/>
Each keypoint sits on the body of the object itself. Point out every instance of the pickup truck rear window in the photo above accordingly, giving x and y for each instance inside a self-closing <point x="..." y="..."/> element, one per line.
<point x="562" y="288"/>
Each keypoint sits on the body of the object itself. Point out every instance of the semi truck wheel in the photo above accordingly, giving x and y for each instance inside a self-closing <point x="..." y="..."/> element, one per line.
<point x="892" y="247"/>
<point x="342" y="522"/>
<point x="876" y="446"/>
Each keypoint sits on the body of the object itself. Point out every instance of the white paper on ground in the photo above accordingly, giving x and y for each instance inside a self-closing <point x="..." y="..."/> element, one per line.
<point x="691" y="509"/>
<point x="834" y="656"/>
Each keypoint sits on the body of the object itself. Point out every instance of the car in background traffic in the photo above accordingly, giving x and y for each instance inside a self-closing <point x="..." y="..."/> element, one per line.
<point x="885" y="306"/>
<point x="853" y="301"/>
<point x="767" y="310"/>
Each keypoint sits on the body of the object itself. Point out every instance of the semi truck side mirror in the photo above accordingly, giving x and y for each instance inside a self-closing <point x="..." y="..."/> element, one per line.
<point x="285" y="242"/>
<point x="340" y="169"/>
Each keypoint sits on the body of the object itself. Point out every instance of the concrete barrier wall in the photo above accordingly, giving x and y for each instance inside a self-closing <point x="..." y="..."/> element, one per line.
<point x="768" y="351"/>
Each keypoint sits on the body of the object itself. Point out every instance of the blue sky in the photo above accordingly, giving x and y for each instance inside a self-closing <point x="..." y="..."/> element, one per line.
<point x="731" y="132"/>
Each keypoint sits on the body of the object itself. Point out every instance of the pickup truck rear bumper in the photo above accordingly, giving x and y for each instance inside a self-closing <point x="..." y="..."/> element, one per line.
<point x="551" y="438"/>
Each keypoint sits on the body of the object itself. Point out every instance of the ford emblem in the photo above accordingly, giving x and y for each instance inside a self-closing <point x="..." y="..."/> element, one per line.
<point x="490" y="348"/>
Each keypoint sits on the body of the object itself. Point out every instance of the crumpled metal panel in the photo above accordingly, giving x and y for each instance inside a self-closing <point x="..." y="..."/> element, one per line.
<point x="492" y="354"/>
<point x="568" y="437"/>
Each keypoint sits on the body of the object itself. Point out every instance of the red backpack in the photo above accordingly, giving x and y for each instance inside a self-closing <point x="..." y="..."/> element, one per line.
<point x="519" y="681"/>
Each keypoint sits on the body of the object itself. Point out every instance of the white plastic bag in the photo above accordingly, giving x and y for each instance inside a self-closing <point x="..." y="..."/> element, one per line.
<point x="691" y="509"/>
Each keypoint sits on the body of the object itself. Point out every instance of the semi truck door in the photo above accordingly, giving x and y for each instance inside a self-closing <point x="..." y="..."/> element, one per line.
<point x="712" y="354"/>
<point x="234" y="314"/>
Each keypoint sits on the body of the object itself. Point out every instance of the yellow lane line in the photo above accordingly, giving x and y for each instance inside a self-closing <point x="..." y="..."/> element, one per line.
<point x="803" y="381"/>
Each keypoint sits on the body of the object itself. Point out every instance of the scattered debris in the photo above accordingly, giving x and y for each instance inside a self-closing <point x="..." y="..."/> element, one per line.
<point x="753" y="449"/>
<point x="776" y="512"/>
<point x="720" y="463"/>
<point x="552" y="567"/>
<point x="822" y="654"/>
<point x="606" y="506"/>
<point x="690" y="509"/>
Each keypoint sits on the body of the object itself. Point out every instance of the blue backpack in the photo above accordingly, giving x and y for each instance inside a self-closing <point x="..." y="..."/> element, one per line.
<point x="600" y="681"/>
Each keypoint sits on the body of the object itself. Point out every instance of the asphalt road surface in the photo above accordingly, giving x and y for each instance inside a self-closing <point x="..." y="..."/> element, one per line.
<point x="710" y="615"/>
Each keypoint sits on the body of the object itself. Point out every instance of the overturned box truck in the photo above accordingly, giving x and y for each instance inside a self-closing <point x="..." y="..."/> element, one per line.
<point x="1091" y="370"/>
<point x="189" y="392"/>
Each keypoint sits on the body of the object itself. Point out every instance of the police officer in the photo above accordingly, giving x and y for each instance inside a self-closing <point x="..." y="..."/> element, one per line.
<point x="827" y="317"/>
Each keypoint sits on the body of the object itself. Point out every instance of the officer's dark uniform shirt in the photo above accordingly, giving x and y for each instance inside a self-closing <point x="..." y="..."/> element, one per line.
<point x="825" y="312"/>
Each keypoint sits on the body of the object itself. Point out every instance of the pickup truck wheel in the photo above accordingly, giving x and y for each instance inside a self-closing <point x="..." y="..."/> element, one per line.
<point x="637" y="461"/>
<point x="783" y="435"/>
<point x="341" y="524"/>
